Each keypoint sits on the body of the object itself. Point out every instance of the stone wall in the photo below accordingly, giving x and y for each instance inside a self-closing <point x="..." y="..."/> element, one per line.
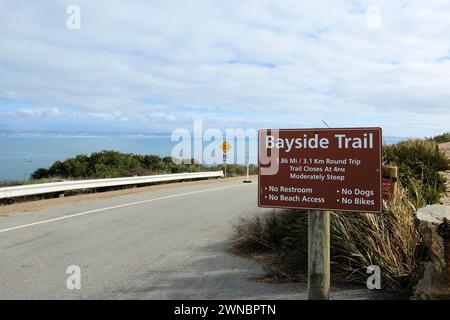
<point x="434" y="280"/>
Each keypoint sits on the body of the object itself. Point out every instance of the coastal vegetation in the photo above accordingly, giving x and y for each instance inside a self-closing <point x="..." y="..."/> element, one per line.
<point x="442" y="138"/>
<point x="419" y="162"/>
<point x="113" y="164"/>
<point x="389" y="240"/>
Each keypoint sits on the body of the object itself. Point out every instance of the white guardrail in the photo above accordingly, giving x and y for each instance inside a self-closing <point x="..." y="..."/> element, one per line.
<point x="33" y="189"/>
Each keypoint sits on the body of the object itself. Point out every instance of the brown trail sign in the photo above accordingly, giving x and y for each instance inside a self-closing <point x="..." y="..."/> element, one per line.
<point x="320" y="170"/>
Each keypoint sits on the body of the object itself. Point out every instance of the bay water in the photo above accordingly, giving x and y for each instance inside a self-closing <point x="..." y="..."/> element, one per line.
<point x="21" y="155"/>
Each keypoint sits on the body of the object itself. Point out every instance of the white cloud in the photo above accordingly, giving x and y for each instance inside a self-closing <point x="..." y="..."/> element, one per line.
<point x="159" y="116"/>
<point x="253" y="63"/>
<point x="38" y="112"/>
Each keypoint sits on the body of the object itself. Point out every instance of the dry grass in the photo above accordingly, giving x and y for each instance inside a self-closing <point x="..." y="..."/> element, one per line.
<point x="250" y="236"/>
<point x="389" y="240"/>
<point x="445" y="147"/>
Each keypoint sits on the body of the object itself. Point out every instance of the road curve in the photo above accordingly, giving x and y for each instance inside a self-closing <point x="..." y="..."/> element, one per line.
<point x="169" y="243"/>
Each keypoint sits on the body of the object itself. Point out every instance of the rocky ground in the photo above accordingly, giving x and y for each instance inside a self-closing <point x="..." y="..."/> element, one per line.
<point x="434" y="281"/>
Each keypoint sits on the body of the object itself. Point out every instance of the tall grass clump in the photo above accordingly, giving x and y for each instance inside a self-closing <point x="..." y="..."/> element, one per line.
<point x="419" y="163"/>
<point x="388" y="240"/>
<point x="284" y="233"/>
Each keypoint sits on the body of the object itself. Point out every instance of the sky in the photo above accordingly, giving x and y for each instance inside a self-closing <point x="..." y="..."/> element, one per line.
<point x="154" y="66"/>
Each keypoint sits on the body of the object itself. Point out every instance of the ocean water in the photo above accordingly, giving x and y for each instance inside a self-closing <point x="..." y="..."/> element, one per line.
<point x="20" y="156"/>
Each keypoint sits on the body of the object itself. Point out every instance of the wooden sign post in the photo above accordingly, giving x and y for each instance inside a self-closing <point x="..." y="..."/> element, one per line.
<point x="320" y="170"/>
<point x="319" y="255"/>
<point x="390" y="183"/>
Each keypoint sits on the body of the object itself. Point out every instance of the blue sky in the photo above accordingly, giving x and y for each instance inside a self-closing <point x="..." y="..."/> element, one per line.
<point x="153" y="66"/>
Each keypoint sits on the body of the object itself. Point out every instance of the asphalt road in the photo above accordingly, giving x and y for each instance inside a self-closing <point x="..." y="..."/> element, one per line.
<point x="165" y="244"/>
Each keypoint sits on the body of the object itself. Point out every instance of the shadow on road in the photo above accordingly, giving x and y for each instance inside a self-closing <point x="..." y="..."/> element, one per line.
<point x="213" y="272"/>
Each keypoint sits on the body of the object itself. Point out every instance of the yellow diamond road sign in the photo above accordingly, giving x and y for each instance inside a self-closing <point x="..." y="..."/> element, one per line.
<point x="225" y="147"/>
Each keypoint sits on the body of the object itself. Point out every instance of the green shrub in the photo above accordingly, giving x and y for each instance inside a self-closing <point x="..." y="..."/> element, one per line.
<point x="40" y="173"/>
<point x="112" y="164"/>
<point x="442" y="138"/>
<point x="419" y="163"/>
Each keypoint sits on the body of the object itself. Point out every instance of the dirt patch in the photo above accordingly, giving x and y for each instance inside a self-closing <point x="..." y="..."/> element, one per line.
<point x="446" y="148"/>
<point x="37" y="205"/>
<point x="446" y="198"/>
